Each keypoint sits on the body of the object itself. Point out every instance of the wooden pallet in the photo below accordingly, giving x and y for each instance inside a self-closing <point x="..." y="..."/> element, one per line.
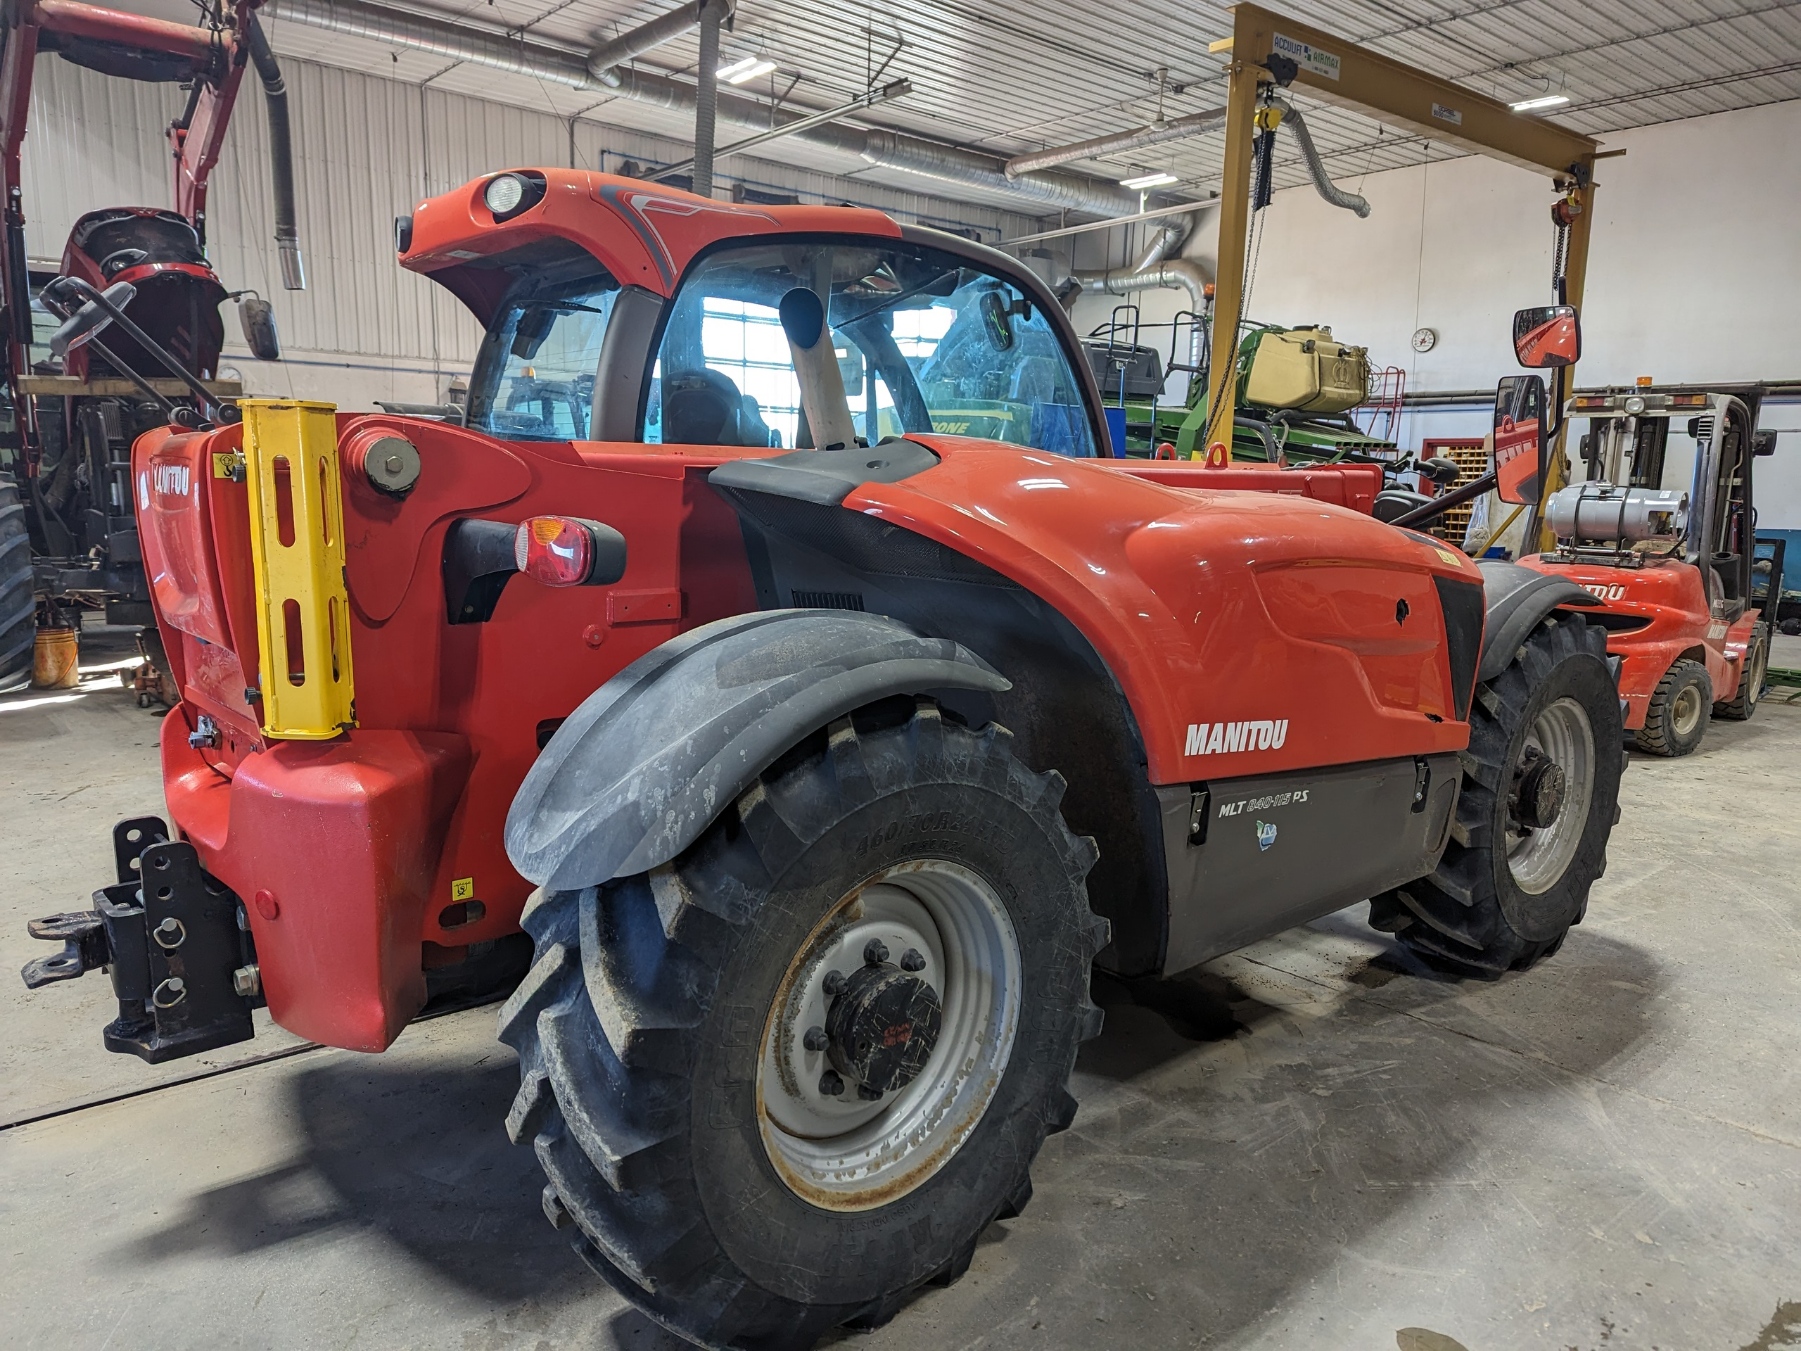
<point x="1471" y="458"/>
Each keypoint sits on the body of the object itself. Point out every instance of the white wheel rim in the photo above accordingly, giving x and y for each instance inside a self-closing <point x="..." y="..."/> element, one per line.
<point x="1685" y="714"/>
<point x="1537" y="858"/>
<point x="843" y="1153"/>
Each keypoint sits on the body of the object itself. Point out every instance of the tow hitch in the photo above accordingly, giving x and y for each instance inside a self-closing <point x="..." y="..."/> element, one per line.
<point x="175" y="941"/>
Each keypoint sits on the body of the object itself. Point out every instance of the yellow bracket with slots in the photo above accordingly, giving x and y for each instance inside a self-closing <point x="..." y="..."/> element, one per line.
<point x="297" y="553"/>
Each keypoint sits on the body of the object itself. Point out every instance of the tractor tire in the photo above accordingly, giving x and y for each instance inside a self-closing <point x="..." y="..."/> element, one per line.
<point x="1743" y="703"/>
<point x="18" y="601"/>
<point x="1676" y="720"/>
<point x="781" y="1083"/>
<point x="1539" y="798"/>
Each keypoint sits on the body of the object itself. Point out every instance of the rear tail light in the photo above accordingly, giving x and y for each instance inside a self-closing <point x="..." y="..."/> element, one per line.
<point x="556" y="550"/>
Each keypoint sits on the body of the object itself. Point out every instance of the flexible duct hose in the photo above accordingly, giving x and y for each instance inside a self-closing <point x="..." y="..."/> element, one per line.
<point x="281" y="155"/>
<point x="1334" y="194"/>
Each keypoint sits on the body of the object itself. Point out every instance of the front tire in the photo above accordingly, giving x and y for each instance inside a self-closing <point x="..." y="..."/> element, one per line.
<point x="1539" y="799"/>
<point x="782" y="1082"/>
<point x="1676" y="718"/>
<point x="1743" y="702"/>
<point x="18" y="601"/>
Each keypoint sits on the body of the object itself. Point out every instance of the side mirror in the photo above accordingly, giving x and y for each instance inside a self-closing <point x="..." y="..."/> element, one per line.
<point x="1764" y="442"/>
<point x="1546" y="336"/>
<point x="257" y="317"/>
<point x="87" y="321"/>
<point x="1520" y="441"/>
<point x="997" y="319"/>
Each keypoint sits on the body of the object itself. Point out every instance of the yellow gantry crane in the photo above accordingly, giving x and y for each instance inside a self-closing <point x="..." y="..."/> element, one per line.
<point x="1338" y="72"/>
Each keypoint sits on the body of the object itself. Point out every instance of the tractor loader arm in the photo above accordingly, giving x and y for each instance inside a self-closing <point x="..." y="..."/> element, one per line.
<point x="647" y="762"/>
<point x="1517" y="598"/>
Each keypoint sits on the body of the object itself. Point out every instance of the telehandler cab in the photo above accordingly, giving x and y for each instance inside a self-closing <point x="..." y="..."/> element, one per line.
<point x="818" y="765"/>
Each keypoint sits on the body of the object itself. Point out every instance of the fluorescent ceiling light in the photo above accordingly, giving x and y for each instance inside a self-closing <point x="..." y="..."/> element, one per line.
<point x="1144" y="181"/>
<point x="747" y="69"/>
<point x="1544" y="101"/>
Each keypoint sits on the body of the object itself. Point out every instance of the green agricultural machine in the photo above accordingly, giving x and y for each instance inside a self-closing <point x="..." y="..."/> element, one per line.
<point x="1296" y="390"/>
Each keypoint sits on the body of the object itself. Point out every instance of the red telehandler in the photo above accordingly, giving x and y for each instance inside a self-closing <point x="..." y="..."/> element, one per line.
<point x="794" y="758"/>
<point x="67" y="530"/>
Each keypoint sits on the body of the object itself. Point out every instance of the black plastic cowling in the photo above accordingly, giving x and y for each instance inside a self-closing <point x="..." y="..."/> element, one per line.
<point x="653" y="756"/>
<point x="1517" y="598"/>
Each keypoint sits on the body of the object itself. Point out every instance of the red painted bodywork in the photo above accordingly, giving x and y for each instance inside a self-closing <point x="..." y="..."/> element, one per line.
<point x="1671" y="595"/>
<point x="1208" y="602"/>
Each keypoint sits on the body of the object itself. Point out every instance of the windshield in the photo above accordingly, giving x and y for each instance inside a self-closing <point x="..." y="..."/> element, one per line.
<point x="926" y="342"/>
<point x="534" y="378"/>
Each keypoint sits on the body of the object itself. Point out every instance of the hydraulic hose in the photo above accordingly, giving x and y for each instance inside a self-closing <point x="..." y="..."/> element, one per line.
<point x="281" y="155"/>
<point x="1334" y="194"/>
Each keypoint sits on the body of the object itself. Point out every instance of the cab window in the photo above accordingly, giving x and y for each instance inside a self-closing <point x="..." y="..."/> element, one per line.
<point x="534" y="376"/>
<point x="926" y="342"/>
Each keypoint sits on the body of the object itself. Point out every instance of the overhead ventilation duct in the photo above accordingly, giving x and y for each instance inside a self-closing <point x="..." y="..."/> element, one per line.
<point x="1154" y="268"/>
<point x="1155" y="134"/>
<point x="646" y="37"/>
<point x="516" y="55"/>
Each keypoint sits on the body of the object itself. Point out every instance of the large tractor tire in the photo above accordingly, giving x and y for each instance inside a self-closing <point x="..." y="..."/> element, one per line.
<point x="1676" y="718"/>
<point x="18" y="604"/>
<point x="784" y="1081"/>
<point x="1743" y="702"/>
<point x="1539" y="798"/>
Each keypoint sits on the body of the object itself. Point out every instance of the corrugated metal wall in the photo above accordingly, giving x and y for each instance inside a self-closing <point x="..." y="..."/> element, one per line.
<point x="367" y="149"/>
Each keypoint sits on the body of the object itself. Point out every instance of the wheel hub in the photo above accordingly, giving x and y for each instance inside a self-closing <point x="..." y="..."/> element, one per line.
<point x="1538" y="791"/>
<point x="889" y="1035"/>
<point x="882" y="1026"/>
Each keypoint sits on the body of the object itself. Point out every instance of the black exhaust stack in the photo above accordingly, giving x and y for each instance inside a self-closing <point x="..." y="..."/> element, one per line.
<point x="281" y="155"/>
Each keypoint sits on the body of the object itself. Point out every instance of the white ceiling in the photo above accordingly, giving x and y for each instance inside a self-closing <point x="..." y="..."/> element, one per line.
<point x="1011" y="75"/>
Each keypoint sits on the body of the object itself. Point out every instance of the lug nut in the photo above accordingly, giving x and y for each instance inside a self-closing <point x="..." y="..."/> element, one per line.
<point x="830" y="1084"/>
<point x="247" y="981"/>
<point x="868" y="1094"/>
<point x="834" y="984"/>
<point x="816" y="1039"/>
<point x="875" y="952"/>
<point x="913" y="960"/>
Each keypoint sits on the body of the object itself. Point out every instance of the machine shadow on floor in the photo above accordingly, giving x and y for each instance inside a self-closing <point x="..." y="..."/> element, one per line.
<point x="1310" y="1131"/>
<point x="1323" y="1133"/>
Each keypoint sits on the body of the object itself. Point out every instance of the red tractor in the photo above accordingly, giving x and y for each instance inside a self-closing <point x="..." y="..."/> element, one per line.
<point x="76" y="408"/>
<point x="817" y="753"/>
<point x="1661" y="532"/>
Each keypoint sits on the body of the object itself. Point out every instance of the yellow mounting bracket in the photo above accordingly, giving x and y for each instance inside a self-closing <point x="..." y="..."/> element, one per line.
<point x="297" y="552"/>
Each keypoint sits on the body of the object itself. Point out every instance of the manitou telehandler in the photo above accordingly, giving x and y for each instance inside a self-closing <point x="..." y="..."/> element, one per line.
<point x="1661" y="532"/>
<point x="818" y="767"/>
<point x="65" y="457"/>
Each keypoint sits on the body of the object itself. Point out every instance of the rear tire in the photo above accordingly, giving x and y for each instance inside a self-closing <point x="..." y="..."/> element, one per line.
<point x="1509" y="885"/>
<point x="669" y="1034"/>
<point x="1676" y="720"/>
<point x="18" y="602"/>
<point x="1743" y="703"/>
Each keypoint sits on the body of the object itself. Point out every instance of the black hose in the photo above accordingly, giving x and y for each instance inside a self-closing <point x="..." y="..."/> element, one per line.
<point x="281" y="155"/>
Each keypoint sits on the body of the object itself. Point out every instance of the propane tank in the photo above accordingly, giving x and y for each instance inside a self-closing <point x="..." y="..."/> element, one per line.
<point x="1600" y="513"/>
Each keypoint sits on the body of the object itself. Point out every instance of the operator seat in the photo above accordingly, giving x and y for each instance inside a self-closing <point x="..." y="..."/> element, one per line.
<point x="705" y="408"/>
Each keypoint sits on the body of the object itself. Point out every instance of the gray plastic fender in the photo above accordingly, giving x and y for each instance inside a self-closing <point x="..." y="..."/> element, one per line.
<point x="648" y="761"/>
<point x="1517" y="598"/>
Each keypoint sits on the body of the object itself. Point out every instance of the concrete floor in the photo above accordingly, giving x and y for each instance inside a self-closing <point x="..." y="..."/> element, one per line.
<point x="1311" y="1144"/>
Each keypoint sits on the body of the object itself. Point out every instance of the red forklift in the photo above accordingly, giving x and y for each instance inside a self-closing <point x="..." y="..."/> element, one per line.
<point x="68" y="539"/>
<point x="1661" y="531"/>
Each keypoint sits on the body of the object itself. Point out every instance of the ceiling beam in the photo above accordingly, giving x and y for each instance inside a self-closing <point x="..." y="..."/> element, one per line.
<point x="1338" y="72"/>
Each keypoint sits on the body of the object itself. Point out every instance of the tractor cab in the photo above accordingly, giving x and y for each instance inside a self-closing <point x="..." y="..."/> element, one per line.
<point x="1659" y="526"/>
